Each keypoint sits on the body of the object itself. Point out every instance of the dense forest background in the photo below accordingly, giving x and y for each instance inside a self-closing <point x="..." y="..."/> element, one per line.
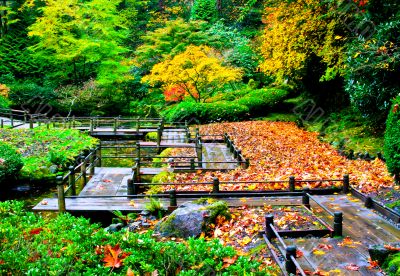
<point x="203" y="59"/>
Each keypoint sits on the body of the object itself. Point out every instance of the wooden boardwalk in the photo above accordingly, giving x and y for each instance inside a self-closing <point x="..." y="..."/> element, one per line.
<point x="363" y="227"/>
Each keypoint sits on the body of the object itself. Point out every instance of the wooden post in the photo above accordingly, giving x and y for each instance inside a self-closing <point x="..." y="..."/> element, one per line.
<point x="346" y="183"/>
<point x="48" y="124"/>
<point x="215" y="189"/>
<point x="239" y="157"/>
<point x="73" y="122"/>
<point x="71" y="180"/>
<point x="137" y="124"/>
<point x="61" y="195"/>
<point x="269" y="223"/>
<point x="11" y="119"/>
<point x="368" y="202"/>
<point x="192" y="165"/>
<point x="247" y="163"/>
<point x="306" y="198"/>
<point x="83" y="169"/>
<point x="338" y="224"/>
<point x="159" y="134"/>
<point x="200" y="153"/>
<point x="1" y="123"/>
<point x="115" y="125"/>
<point x="289" y="264"/>
<point x="91" y="126"/>
<point x="138" y="150"/>
<point x="31" y="122"/>
<point x="25" y="117"/>
<point x="292" y="182"/>
<point x="98" y="155"/>
<point x="137" y="172"/>
<point x="131" y="189"/>
<point x="172" y="199"/>
<point x="91" y="160"/>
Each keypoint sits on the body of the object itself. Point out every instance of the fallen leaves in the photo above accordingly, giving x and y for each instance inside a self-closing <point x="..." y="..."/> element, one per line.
<point x="348" y="242"/>
<point x="278" y="150"/>
<point x="318" y="252"/>
<point x="113" y="256"/>
<point x="352" y="267"/>
<point x="36" y="231"/>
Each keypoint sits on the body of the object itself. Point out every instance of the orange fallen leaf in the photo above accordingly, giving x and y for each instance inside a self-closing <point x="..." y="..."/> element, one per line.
<point x="325" y="246"/>
<point x="113" y="256"/>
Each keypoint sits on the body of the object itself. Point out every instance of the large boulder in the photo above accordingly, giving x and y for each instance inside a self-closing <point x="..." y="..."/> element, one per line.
<point x="191" y="218"/>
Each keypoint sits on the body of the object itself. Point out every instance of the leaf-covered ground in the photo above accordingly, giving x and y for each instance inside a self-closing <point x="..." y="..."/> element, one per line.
<point x="278" y="150"/>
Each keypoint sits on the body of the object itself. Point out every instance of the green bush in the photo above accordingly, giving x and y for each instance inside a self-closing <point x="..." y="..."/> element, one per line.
<point x="207" y="112"/>
<point x="4" y="103"/>
<point x="262" y="100"/>
<point x="10" y="161"/>
<point x="392" y="265"/>
<point x="392" y="140"/>
<point x="31" y="96"/>
<point x="66" y="245"/>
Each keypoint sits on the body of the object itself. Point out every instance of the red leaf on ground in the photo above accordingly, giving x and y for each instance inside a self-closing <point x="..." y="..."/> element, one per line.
<point x="352" y="267"/>
<point x="2" y="262"/>
<point x="325" y="246"/>
<point x="36" y="231"/>
<point x="389" y="247"/>
<point x="299" y="253"/>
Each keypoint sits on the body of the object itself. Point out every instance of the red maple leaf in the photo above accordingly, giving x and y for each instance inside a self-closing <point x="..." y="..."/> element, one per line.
<point x="36" y="231"/>
<point x="113" y="256"/>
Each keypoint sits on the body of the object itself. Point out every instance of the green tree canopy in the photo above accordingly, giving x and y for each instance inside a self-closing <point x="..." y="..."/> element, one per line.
<point x="84" y="37"/>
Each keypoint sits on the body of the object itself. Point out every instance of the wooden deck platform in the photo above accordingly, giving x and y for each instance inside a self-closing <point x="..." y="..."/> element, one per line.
<point x="363" y="226"/>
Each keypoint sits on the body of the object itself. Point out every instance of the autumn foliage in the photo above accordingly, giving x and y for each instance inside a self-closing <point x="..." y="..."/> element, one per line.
<point x="278" y="150"/>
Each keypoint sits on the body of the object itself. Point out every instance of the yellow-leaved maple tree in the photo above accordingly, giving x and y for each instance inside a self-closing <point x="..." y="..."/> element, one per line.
<point x="296" y="30"/>
<point x="198" y="70"/>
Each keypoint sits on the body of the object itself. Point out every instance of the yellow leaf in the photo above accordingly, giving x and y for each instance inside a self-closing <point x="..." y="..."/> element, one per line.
<point x="338" y="37"/>
<point x="318" y="252"/>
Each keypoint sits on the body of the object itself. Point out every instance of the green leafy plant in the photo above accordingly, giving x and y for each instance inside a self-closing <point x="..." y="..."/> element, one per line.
<point x="155" y="207"/>
<point x="392" y="140"/>
<point x="10" y="161"/>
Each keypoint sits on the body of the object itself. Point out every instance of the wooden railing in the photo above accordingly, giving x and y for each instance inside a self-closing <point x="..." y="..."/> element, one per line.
<point x="17" y="118"/>
<point x="66" y="185"/>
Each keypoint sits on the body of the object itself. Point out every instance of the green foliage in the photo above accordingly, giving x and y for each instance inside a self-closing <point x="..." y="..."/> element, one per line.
<point x="32" y="244"/>
<point x="83" y="38"/>
<point x="171" y="40"/>
<point x="372" y="79"/>
<point x="207" y="112"/>
<point x="163" y="177"/>
<point x="155" y="207"/>
<point x="10" y="161"/>
<point x="4" y="103"/>
<point x="204" y="10"/>
<point x="263" y="100"/>
<point x="32" y="97"/>
<point x="42" y="148"/>
<point x="161" y="157"/>
<point x="392" y="265"/>
<point x="392" y="140"/>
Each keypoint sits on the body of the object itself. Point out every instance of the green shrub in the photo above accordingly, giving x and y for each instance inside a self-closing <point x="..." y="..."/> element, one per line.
<point x="4" y="103"/>
<point x="31" y="96"/>
<point x="262" y="100"/>
<point x="392" y="140"/>
<point x="392" y="265"/>
<point x="207" y="112"/>
<point x="66" y="245"/>
<point x="10" y="161"/>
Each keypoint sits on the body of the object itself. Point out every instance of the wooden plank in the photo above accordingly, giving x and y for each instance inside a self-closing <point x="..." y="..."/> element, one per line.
<point x="124" y="203"/>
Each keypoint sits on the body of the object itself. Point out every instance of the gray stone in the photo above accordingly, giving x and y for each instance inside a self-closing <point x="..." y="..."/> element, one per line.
<point x="114" y="227"/>
<point x="145" y="213"/>
<point x="380" y="253"/>
<point x="53" y="168"/>
<point x="190" y="219"/>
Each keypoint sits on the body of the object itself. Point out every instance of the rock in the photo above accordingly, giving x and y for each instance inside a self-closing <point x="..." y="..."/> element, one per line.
<point x="53" y="168"/>
<point x="190" y="219"/>
<point x="380" y="253"/>
<point x="114" y="227"/>
<point x="145" y="213"/>
<point x="132" y="227"/>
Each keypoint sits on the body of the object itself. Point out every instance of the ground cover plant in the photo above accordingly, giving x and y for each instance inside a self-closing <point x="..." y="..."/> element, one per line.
<point x="278" y="150"/>
<point x="32" y="244"/>
<point x="44" y="152"/>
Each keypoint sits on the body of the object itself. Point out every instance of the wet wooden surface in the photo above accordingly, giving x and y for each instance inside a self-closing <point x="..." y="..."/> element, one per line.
<point x="362" y="226"/>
